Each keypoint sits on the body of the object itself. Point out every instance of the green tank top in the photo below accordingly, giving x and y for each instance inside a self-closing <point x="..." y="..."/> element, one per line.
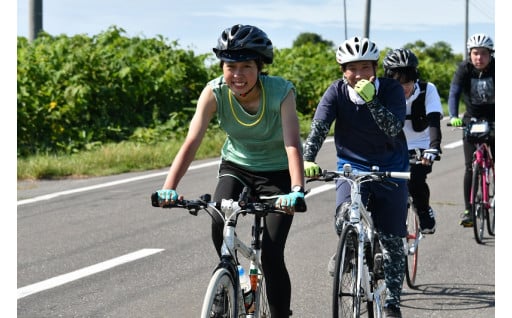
<point x="254" y="142"/>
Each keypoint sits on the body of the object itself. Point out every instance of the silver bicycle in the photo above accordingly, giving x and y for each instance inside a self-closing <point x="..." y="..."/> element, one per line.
<point x="224" y="296"/>
<point x="358" y="276"/>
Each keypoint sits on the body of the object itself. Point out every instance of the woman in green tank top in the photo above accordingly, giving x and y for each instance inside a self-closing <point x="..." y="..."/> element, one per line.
<point x="262" y="150"/>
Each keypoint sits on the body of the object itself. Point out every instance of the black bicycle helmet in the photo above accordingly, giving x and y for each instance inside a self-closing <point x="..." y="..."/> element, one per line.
<point x="400" y="58"/>
<point x="242" y="43"/>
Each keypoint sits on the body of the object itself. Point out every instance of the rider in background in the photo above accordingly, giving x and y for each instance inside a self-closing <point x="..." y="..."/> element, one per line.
<point x="422" y="128"/>
<point x="369" y="113"/>
<point x="262" y="150"/>
<point x="475" y="80"/>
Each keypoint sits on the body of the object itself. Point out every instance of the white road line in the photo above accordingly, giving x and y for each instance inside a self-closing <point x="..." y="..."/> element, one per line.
<point x="108" y="184"/>
<point x="453" y="145"/>
<point x="86" y="271"/>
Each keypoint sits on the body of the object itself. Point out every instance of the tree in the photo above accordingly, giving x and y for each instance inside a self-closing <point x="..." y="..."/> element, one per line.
<point x="308" y="37"/>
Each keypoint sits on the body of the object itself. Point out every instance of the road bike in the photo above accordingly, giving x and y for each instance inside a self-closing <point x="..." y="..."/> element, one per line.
<point x="482" y="195"/>
<point x="224" y="296"/>
<point x="359" y="273"/>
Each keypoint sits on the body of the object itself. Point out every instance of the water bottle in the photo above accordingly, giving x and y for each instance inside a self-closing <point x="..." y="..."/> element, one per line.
<point x="245" y="284"/>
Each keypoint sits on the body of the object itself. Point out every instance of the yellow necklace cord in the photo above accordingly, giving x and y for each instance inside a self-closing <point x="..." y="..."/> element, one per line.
<point x="262" y="110"/>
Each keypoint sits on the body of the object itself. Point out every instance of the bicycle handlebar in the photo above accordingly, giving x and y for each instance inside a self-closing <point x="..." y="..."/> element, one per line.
<point x="348" y="172"/>
<point x="242" y="205"/>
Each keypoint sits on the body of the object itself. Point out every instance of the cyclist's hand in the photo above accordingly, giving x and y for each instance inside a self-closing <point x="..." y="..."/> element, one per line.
<point x="456" y="122"/>
<point x="429" y="156"/>
<point x="365" y="89"/>
<point x="288" y="201"/>
<point x="311" y="169"/>
<point x="167" y="196"/>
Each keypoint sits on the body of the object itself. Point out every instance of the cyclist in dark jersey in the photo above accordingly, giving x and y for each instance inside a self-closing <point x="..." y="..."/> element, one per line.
<point x="475" y="81"/>
<point x="369" y="113"/>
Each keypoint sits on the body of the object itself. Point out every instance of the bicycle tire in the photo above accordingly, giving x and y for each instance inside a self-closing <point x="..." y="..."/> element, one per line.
<point x="412" y="246"/>
<point x="346" y="286"/>
<point x="490" y="211"/>
<point x="262" y="308"/>
<point x="221" y="288"/>
<point x="477" y="206"/>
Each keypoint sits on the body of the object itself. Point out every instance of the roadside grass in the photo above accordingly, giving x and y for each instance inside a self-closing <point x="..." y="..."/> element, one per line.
<point x="110" y="159"/>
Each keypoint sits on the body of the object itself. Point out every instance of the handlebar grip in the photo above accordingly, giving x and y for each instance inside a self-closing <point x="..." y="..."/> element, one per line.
<point x="300" y="205"/>
<point x="154" y="199"/>
<point x="400" y="175"/>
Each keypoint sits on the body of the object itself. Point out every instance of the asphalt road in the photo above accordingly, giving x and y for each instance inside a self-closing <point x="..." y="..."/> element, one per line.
<point x="96" y="248"/>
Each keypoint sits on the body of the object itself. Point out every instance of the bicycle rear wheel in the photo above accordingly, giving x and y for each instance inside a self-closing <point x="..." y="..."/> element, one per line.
<point x="490" y="206"/>
<point x="477" y="207"/>
<point x="346" y="287"/>
<point x="411" y="246"/>
<point x="262" y="308"/>
<point x="221" y="296"/>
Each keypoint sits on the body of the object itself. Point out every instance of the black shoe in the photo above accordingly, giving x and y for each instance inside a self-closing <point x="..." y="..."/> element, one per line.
<point x="427" y="221"/>
<point x="392" y="311"/>
<point x="466" y="219"/>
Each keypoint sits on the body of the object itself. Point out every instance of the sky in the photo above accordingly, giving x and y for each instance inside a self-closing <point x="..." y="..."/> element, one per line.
<point x="196" y="24"/>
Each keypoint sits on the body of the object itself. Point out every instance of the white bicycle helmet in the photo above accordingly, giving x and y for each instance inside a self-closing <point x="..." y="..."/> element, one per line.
<point x="357" y="49"/>
<point x="480" y="40"/>
<point x="244" y="42"/>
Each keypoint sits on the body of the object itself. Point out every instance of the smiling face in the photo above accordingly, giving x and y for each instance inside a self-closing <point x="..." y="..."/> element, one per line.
<point x="240" y="76"/>
<point x="356" y="71"/>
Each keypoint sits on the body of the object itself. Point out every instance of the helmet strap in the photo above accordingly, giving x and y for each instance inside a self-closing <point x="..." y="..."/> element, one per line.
<point x="250" y="90"/>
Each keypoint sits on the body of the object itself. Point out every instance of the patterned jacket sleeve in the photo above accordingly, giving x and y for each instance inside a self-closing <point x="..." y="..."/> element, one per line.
<point x="316" y="137"/>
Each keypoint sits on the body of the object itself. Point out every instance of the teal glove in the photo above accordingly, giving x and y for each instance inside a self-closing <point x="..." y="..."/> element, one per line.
<point x="286" y="201"/>
<point x="366" y="90"/>
<point x="167" y="195"/>
<point x="311" y="169"/>
<point x="456" y="122"/>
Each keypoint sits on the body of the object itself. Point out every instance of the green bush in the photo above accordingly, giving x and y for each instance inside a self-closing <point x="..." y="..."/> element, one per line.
<point x="76" y="93"/>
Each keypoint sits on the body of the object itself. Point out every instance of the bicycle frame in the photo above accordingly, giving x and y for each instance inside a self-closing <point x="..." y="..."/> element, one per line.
<point x="482" y="159"/>
<point x="224" y="286"/>
<point x="359" y="221"/>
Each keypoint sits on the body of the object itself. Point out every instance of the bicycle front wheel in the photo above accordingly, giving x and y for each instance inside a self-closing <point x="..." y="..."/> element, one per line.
<point x="262" y="308"/>
<point x="346" y="288"/>
<point x="411" y="246"/>
<point x="221" y="296"/>
<point x="477" y="207"/>
<point x="490" y="205"/>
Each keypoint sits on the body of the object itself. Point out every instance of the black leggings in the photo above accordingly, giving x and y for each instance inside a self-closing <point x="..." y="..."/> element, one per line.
<point x="231" y="182"/>
<point x="418" y="187"/>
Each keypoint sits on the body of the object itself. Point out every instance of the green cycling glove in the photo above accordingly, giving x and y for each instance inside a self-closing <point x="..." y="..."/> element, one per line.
<point x="366" y="90"/>
<point x="311" y="169"/>
<point x="456" y="122"/>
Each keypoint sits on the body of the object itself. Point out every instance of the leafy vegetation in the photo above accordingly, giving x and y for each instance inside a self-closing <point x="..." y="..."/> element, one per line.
<point x="109" y="104"/>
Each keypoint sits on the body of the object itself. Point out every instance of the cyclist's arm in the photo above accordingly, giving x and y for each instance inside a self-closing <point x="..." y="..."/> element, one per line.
<point x="434" y="111"/>
<point x="456" y="91"/>
<point x="206" y="107"/>
<point x="317" y="134"/>
<point x="291" y="135"/>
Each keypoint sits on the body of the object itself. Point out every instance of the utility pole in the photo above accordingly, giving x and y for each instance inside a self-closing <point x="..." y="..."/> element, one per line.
<point x="367" y="19"/>
<point x="35" y="19"/>
<point x="466" y="35"/>
<point x="345" y="18"/>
